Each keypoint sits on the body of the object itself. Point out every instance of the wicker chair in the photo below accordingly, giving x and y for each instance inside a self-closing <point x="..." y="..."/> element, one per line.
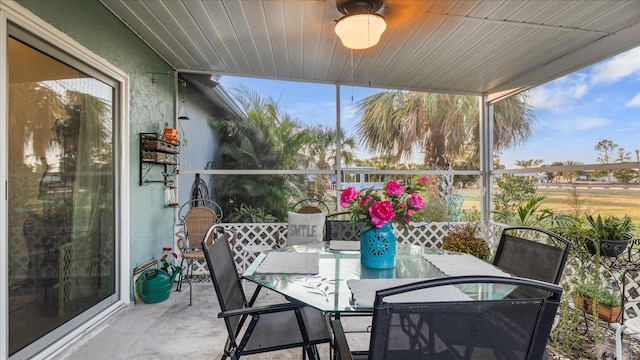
<point x="458" y="329"/>
<point x="200" y="216"/>
<point x="270" y="327"/>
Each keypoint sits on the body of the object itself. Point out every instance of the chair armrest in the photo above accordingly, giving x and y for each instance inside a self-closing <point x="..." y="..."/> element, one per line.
<point x="260" y="310"/>
<point x="340" y="341"/>
<point x="182" y="241"/>
<point x="280" y="240"/>
<point x="234" y="238"/>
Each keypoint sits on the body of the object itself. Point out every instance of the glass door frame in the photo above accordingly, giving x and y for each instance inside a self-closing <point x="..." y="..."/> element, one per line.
<point x="12" y="17"/>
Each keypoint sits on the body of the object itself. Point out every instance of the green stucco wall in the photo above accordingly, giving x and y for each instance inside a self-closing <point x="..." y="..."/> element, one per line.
<point x="92" y="25"/>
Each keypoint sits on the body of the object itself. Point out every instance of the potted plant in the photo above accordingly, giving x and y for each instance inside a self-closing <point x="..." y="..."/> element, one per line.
<point x="611" y="234"/>
<point x="609" y="302"/>
<point x="463" y="238"/>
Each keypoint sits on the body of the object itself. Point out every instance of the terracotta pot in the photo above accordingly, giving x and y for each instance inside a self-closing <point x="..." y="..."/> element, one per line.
<point x="605" y="313"/>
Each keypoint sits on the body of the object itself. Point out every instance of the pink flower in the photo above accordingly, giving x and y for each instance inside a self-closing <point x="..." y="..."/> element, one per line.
<point x="396" y="203"/>
<point x="394" y="188"/>
<point x="381" y="212"/>
<point x="365" y="200"/>
<point x="348" y="195"/>
<point x="416" y="201"/>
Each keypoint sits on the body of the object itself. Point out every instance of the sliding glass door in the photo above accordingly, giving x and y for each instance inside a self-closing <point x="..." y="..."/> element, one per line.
<point x="61" y="232"/>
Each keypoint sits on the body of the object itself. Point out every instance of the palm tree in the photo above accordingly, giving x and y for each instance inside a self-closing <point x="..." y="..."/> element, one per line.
<point x="322" y="149"/>
<point x="267" y="139"/>
<point x="34" y="109"/>
<point x="570" y="175"/>
<point x="322" y="155"/>
<point x="555" y="174"/>
<point x="445" y="127"/>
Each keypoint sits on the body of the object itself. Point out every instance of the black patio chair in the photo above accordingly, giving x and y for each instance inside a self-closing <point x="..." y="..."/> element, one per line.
<point x="338" y="227"/>
<point x="270" y="327"/>
<point x="458" y="329"/>
<point x="532" y="253"/>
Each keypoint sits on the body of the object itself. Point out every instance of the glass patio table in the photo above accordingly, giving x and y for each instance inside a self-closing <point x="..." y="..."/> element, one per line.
<point x="329" y="291"/>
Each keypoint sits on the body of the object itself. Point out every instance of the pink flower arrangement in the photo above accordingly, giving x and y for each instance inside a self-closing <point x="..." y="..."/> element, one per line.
<point x="396" y="202"/>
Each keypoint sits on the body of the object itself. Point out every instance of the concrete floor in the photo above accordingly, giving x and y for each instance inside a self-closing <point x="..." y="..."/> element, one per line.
<point x="169" y="330"/>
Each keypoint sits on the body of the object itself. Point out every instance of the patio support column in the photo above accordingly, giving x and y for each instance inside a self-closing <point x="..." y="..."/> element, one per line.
<point x="4" y="159"/>
<point x="486" y="156"/>
<point x="338" y="169"/>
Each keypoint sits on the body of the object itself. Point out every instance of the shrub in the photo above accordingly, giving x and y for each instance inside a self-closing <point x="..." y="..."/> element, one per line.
<point x="249" y="214"/>
<point x="463" y="238"/>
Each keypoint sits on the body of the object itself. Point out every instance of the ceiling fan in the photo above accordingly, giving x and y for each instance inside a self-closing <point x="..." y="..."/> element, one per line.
<point x="358" y="6"/>
<point x="360" y="27"/>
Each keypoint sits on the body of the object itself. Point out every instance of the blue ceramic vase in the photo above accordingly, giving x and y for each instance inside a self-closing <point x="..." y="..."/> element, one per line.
<point x="378" y="247"/>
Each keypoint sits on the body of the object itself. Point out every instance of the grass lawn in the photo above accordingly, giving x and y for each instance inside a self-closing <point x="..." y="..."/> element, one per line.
<point x="616" y="202"/>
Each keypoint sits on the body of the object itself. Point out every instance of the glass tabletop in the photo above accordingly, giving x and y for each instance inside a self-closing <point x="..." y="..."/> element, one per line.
<point x="328" y="290"/>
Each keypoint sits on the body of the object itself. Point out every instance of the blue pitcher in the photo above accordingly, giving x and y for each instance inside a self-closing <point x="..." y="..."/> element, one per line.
<point x="378" y="247"/>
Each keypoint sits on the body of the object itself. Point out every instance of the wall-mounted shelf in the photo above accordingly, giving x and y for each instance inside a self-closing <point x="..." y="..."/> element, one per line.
<point x="155" y="149"/>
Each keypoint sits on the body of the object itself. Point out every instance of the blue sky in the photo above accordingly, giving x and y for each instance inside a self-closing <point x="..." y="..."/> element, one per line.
<point x="573" y="113"/>
<point x="577" y="111"/>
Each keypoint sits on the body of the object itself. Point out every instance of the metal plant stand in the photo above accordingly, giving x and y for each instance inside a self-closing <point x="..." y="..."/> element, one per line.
<point x="619" y="270"/>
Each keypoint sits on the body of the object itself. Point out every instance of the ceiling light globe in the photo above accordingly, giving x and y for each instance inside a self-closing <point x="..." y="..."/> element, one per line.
<point x="360" y="31"/>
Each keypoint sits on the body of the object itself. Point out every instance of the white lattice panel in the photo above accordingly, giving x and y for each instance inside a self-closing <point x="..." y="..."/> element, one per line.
<point x="265" y="235"/>
<point x="66" y="281"/>
<point x="632" y="293"/>
<point x="424" y="234"/>
<point x="19" y="259"/>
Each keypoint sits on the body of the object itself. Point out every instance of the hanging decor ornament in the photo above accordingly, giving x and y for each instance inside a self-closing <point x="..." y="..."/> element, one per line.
<point x="182" y="112"/>
<point x="183" y="103"/>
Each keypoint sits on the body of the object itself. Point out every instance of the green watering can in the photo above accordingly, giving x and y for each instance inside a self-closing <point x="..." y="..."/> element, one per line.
<point x="154" y="285"/>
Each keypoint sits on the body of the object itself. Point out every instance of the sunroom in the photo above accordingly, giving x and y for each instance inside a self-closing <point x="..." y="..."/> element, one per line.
<point x="151" y="63"/>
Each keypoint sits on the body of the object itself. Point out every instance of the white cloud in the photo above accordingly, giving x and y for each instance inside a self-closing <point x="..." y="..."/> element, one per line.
<point x="635" y="102"/>
<point x="577" y="124"/>
<point x="618" y="67"/>
<point x="558" y="95"/>
<point x="349" y="114"/>
<point x="590" y="123"/>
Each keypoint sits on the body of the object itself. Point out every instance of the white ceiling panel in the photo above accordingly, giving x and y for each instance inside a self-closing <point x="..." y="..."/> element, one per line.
<point x="455" y="46"/>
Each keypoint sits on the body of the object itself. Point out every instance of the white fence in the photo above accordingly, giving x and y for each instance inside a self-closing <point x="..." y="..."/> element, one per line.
<point x="265" y="235"/>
